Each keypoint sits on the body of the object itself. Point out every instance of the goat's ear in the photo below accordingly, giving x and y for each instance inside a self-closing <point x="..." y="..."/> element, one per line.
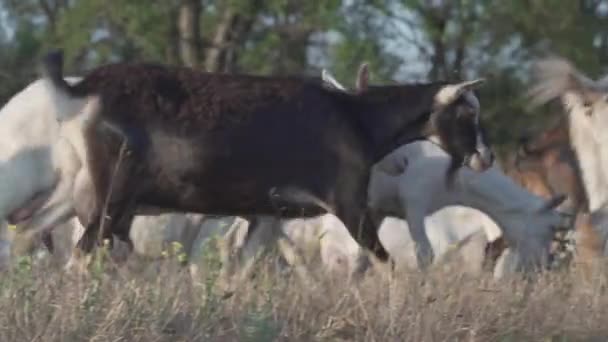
<point x="451" y="92"/>
<point x="400" y="166"/>
<point x="555" y="77"/>
<point x="330" y="81"/>
<point x="362" y="83"/>
<point x="392" y="166"/>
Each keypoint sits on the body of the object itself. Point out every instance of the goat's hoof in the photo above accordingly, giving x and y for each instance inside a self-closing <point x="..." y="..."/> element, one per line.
<point x="224" y="293"/>
<point x="223" y="289"/>
<point x="227" y="295"/>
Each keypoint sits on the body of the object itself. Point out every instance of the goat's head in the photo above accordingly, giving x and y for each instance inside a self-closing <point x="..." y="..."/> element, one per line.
<point x="585" y="100"/>
<point x="456" y="121"/>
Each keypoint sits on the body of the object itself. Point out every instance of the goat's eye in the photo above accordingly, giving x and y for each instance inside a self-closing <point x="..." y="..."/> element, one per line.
<point x="587" y="103"/>
<point x="465" y="114"/>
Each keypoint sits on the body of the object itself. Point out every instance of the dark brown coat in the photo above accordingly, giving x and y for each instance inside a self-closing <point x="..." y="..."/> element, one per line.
<point x="248" y="145"/>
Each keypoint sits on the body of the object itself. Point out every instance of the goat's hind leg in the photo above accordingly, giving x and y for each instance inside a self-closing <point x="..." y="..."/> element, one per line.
<point x="281" y="199"/>
<point x="113" y="207"/>
<point x="353" y="212"/>
<point x="238" y="259"/>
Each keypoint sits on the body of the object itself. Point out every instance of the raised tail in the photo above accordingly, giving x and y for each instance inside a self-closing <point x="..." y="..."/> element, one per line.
<point x="68" y="101"/>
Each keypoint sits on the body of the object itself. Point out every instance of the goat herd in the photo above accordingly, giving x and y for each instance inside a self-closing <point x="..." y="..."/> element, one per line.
<point x="401" y="171"/>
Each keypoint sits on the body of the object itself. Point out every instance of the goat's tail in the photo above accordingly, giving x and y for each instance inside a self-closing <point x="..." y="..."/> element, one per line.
<point x="67" y="99"/>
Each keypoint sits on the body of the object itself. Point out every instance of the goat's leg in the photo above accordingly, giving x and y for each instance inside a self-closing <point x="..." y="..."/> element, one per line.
<point x="352" y="210"/>
<point x="290" y="252"/>
<point x="124" y="220"/>
<point x="237" y="265"/>
<point x="293" y="255"/>
<point x="47" y="240"/>
<point x="424" y="250"/>
<point x="58" y="211"/>
<point x="369" y="240"/>
<point x="228" y="249"/>
<point x="113" y="207"/>
<point x="59" y="206"/>
<point x="81" y="253"/>
<point x="120" y="214"/>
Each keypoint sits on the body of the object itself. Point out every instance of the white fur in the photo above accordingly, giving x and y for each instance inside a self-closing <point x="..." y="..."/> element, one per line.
<point x="64" y="108"/>
<point x="421" y="191"/>
<point x="328" y="78"/>
<point x="28" y="134"/>
<point x="585" y="105"/>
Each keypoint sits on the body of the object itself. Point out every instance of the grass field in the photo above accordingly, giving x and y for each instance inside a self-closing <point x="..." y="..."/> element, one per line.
<point x="159" y="302"/>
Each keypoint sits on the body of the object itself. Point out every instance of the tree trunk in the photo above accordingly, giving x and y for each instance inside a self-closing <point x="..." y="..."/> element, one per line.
<point x="172" y="47"/>
<point x="436" y="18"/>
<point x="52" y="11"/>
<point x="218" y="52"/>
<point x="189" y="32"/>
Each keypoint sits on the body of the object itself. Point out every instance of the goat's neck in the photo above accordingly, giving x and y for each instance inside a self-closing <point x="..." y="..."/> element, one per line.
<point x="391" y="116"/>
<point x="494" y="194"/>
<point x="591" y="159"/>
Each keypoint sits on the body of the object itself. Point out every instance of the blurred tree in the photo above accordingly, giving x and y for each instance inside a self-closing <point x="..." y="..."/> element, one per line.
<point x="498" y="40"/>
<point x="189" y="32"/>
<point x="404" y="40"/>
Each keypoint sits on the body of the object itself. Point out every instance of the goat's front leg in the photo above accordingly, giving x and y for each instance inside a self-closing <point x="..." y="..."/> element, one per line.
<point x="112" y="207"/>
<point x="424" y="250"/>
<point x="59" y="207"/>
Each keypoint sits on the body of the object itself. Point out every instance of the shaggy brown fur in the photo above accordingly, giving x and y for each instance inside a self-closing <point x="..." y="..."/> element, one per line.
<point x="546" y="166"/>
<point x="550" y="159"/>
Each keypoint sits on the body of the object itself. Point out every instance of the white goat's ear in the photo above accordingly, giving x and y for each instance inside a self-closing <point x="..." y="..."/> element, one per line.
<point x="451" y="92"/>
<point x="363" y="78"/>
<point x="331" y="81"/>
<point x="555" y="77"/>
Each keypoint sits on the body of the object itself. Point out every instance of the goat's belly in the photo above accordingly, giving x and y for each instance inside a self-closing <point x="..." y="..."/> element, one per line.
<point x="232" y="194"/>
<point x="225" y="173"/>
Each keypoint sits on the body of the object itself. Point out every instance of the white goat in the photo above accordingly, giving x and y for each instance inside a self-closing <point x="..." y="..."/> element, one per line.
<point x="470" y="209"/>
<point x="526" y="220"/>
<point x="33" y="155"/>
<point x="421" y="190"/>
<point x="584" y="101"/>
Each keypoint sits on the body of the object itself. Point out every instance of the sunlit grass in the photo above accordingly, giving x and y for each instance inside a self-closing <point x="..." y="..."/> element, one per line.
<point x="158" y="301"/>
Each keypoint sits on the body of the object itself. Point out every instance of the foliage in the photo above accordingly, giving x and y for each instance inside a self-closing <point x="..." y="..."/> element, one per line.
<point x="404" y="40"/>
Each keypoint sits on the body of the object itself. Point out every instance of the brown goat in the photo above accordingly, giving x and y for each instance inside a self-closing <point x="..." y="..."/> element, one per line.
<point x="549" y="159"/>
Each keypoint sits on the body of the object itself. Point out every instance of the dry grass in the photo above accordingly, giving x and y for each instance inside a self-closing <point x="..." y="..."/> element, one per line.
<point x="159" y="302"/>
